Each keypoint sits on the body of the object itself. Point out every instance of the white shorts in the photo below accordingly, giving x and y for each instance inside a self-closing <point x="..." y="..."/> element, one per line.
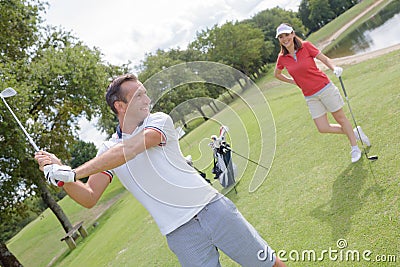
<point x="328" y="99"/>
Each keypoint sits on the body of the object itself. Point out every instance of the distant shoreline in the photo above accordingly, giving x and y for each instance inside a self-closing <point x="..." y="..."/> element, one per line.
<point x="354" y="59"/>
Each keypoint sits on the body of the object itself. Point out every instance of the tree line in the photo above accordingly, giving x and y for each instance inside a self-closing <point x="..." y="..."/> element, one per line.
<point x="60" y="80"/>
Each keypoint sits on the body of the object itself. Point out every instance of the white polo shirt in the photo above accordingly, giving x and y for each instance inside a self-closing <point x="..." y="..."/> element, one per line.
<point x="160" y="178"/>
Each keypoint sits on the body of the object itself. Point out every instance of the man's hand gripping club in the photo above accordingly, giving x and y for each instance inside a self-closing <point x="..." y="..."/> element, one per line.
<point x="55" y="173"/>
<point x="59" y="174"/>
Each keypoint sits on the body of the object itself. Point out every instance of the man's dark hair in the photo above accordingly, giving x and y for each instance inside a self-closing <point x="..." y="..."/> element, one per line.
<point x="114" y="90"/>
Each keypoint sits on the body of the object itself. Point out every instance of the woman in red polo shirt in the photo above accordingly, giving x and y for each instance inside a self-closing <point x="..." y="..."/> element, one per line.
<point x="321" y="95"/>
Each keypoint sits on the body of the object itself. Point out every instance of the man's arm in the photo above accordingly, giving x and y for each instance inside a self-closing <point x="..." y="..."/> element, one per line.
<point x="88" y="194"/>
<point x="120" y="153"/>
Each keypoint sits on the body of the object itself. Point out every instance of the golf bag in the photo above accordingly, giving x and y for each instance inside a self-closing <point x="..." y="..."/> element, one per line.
<point x="224" y="168"/>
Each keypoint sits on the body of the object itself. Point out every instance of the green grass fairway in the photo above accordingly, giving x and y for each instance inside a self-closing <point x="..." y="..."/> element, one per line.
<point x="322" y="196"/>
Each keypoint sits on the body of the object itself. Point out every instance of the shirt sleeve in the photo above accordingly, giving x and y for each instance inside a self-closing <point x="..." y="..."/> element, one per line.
<point x="312" y="50"/>
<point x="279" y="65"/>
<point x="163" y="124"/>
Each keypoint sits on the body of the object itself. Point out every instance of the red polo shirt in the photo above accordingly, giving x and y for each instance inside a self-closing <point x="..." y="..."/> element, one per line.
<point x="304" y="71"/>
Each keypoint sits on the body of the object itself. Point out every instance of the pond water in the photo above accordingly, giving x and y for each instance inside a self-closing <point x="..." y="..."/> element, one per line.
<point x="380" y="31"/>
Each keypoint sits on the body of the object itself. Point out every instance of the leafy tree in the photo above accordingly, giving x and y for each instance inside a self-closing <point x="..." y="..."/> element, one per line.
<point x="58" y="80"/>
<point x="316" y="13"/>
<point x="244" y="50"/>
<point x="267" y="20"/>
<point x="164" y="88"/>
<point x="340" y="6"/>
<point x="81" y="152"/>
<point x="19" y="24"/>
<point x="235" y="44"/>
<point x="304" y="15"/>
<point x="161" y="86"/>
<point x="67" y="81"/>
<point x="320" y="12"/>
<point x="156" y="62"/>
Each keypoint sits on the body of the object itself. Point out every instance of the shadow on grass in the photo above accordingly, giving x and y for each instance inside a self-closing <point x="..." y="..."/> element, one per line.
<point x="348" y="195"/>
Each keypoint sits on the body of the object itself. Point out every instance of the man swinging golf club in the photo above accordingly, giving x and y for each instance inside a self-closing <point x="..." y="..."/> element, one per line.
<point x="145" y="155"/>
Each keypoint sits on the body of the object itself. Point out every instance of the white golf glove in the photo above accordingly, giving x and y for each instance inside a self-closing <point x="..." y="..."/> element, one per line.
<point x="58" y="174"/>
<point x="338" y="71"/>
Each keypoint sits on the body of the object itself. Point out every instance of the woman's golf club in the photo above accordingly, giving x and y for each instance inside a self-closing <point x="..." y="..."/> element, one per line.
<point x="374" y="157"/>
<point x="8" y="92"/>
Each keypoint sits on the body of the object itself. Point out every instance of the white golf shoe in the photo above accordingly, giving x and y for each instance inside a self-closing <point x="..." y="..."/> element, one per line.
<point x="355" y="154"/>
<point x="362" y="135"/>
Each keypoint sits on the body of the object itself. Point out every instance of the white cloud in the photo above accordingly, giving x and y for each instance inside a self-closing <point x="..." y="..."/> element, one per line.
<point x="125" y="30"/>
<point x="89" y="132"/>
<point x="286" y="4"/>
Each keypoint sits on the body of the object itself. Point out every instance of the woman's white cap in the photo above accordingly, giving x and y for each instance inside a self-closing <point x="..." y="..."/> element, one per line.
<point x="283" y="28"/>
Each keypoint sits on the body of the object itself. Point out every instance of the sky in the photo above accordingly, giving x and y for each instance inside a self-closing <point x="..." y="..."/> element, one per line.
<point x="128" y="29"/>
<point x="125" y="30"/>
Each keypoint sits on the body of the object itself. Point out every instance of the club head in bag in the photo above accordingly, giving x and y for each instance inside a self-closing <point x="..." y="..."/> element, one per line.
<point x="8" y="92"/>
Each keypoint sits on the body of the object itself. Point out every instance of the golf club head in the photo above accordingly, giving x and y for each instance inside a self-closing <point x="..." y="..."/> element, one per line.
<point x="373" y="158"/>
<point x="8" y="92"/>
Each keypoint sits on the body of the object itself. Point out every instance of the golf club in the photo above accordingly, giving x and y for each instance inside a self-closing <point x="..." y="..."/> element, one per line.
<point x="220" y="142"/>
<point x="8" y="92"/>
<point x="374" y="157"/>
<point x="252" y="161"/>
